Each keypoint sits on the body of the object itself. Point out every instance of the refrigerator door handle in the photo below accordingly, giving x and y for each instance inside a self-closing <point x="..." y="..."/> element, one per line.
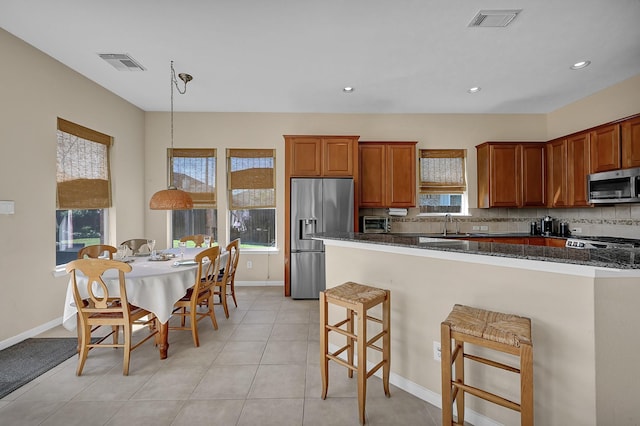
<point x="307" y="227"/>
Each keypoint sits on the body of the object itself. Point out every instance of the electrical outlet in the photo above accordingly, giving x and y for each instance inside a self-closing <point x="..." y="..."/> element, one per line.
<point x="484" y="228"/>
<point x="249" y="264"/>
<point x="436" y="351"/>
<point x="577" y="230"/>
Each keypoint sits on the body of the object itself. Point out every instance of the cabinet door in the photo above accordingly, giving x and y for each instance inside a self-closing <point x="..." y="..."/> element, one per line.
<point x="536" y="241"/>
<point x="305" y="154"/>
<point x="505" y="175"/>
<point x="605" y="148"/>
<point x="558" y="173"/>
<point x="337" y="156"/>
<point x="372" y="160"/>
<point x="631" y="143"/>
<point x="578" y="169"/>
<point x="555" y="242"/>
<point x="533" y="175"/>
<point x="401" y="182"/>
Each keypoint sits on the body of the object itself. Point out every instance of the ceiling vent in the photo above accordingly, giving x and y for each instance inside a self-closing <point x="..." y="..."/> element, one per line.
<point x="122" y="61"/>
<point x="494" y="18"/>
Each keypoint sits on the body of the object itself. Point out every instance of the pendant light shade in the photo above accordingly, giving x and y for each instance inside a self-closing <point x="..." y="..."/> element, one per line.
<point x="173" y="198"/>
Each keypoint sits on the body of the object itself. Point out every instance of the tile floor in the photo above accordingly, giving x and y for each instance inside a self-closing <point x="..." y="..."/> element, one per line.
<point x="261" y="367"/>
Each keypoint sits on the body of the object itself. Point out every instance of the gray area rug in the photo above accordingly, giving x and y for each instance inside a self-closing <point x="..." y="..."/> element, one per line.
<point x="24" y="361"/>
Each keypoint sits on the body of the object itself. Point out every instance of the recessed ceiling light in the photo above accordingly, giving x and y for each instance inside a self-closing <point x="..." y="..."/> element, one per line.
<point x="580" y="65"/>
<point x="475" y="89"/>
<point x="348" y="89"/>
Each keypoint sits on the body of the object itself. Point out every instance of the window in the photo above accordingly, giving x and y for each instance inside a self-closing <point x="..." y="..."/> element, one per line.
<point x="194" y="171"/>
<point x="83" y="188"/>
<point x="443" y="187"/>
<point x="252" y="196"/>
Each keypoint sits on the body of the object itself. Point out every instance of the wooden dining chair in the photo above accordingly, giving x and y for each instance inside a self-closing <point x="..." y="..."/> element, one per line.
<point x="97" y="250"/>
<point x="103" y="306"/>
<point x="225" y="284"/>
<point x="201" y="294"/>
<point x="198" y="240"/>
<point x="134" y="244"/>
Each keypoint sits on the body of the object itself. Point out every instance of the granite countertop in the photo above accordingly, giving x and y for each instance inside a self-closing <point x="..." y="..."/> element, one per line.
<point x="618" y="258"/>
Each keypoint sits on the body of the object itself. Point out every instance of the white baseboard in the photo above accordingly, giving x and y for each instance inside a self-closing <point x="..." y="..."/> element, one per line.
<point x="259" y="283"/>
<point x="423" y="393"/>
<point x="30" y="333"/>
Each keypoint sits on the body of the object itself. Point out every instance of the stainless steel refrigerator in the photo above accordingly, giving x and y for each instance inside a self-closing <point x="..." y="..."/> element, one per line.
<point x="317" y="205"/>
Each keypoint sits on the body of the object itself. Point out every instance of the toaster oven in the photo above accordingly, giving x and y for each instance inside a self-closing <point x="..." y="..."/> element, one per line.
<point x="375" y="224"/>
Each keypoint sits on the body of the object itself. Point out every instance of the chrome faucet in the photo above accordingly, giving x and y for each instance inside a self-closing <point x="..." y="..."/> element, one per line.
<point x="447" y="218"/>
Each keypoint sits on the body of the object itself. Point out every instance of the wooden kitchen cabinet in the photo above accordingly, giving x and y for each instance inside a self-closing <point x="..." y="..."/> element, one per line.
<point x="631" y="143"/>
<point x="558" y="171"/>
<point x="605" y="148"/>
<point x="387" y="174"/>
<point x="555" y="242"/>
<point x="579" y="167"/>
<point x="511" y="174"/>
<point x="568" y="167"/>
<point x="318" y="156"/>
<point x="531" y="241"/>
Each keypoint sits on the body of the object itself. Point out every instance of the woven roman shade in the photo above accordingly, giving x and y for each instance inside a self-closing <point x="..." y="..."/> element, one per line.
<point x="193" y="170"/>
<point x="442" y="171"/>
<point x="251" y="178"/>
<point x="82" y="168"/>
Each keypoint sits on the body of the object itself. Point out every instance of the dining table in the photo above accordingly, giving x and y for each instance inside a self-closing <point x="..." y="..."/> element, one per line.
<point x="152" y="284"/>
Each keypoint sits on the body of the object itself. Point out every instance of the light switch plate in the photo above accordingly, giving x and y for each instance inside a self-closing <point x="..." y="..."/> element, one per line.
<point x="7" y="207"/>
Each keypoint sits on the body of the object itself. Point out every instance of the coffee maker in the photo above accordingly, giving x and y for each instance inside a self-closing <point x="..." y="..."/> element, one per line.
<point x="546" y="226"/>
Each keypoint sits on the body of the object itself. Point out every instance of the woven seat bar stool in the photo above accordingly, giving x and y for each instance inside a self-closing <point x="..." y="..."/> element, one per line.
<point x="494" y="330"/>
<point x="357" y="299"/>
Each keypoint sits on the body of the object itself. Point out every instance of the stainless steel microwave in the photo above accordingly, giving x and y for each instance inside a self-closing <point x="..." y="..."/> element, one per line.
<point x="375" y="224"/>
<point x="616" y="186"/>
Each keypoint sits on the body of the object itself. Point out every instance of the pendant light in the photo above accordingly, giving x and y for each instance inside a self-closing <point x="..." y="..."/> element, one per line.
<point x="173" y="198"/>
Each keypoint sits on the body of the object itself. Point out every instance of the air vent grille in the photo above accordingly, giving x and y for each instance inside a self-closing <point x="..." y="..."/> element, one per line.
<point x="494" y="18"/>
<point x="122" y="61"/>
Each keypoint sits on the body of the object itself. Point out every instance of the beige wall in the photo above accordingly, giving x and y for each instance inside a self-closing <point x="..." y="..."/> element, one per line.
<point x="48" y="89"/>
<point x="618" y="101"/>
<point x="35" y="91"/>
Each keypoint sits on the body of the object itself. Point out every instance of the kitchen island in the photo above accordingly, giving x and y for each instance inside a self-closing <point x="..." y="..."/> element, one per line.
<point x="583" y="307"/>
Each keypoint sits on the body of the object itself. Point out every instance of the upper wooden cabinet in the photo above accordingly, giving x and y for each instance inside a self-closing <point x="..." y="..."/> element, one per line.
<point x="387" y="174"/>
<point x="578" y="160"/>
<point x="558" y="171"/>
<point x="631" y="143"/>
<point x="511" y="174"/>
<point x="568" y="167"/>
<point x="321" y="155"/>
<point x="605" y="148"/>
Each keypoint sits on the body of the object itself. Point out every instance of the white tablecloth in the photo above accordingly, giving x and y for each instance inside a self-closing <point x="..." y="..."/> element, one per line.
<point x="151" y="285"/>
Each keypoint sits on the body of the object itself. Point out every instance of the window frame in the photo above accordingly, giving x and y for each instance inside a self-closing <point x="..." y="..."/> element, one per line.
<point x="202" y="200"/>
<point x="266" y="179"/>
<point x="444" y="188"/>
<point x="89" y="193"/>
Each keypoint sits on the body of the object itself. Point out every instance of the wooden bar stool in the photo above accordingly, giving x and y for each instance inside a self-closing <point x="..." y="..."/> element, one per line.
<point x="497" y="331"/>
<point x="357" y="299"/>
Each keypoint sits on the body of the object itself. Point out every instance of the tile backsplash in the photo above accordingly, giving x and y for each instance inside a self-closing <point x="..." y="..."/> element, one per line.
<point x="620" y="220"/>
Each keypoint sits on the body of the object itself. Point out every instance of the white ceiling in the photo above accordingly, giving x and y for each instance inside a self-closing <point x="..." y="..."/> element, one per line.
<point x="402" y="56"/>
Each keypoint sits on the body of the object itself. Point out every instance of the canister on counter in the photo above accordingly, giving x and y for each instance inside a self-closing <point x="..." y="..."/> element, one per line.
<point x="534" y="228"/>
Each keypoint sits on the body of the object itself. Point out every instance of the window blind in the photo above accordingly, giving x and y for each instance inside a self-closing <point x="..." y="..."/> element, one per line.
<point x="442" y="171"/>
<point x="82" y="168"/>
<point x="193" y="170"/>
<point x="251" y="178"/>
